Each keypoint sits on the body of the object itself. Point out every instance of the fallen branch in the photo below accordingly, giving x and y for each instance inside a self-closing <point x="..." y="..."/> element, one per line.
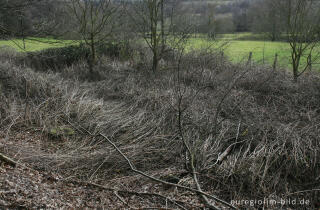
<point x="133" y="168"/>
<point x="8" y="160"/>
<point x="227" y="151"/>
<point x="208" y="204"/>
<point x="14" y="163"/>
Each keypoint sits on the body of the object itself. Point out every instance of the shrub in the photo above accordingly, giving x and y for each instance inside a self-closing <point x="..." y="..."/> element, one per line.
<point x="120" y="50"/>
<point x="7" y="52"/>
<point x="57" y="58"/>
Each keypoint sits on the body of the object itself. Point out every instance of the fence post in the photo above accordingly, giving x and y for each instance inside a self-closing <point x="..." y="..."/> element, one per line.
<point x="249" y="59"/>
<point x="274" y="67"/>
<point x="222" y="54"/>
<point x="263" y="52"/>
<point x="309" y="63"/>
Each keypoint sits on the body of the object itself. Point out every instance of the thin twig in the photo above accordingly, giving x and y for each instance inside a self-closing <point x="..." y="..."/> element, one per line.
<point x="122" y="200"/>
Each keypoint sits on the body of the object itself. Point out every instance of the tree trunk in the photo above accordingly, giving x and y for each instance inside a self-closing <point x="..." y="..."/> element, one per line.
<point x="155" y="62"/>
<point x="22" y="33"/>
<point x="295" y="64"/>
<point x="24" y="42"/>
<point x="295" y="68"/>
<point x="162" y="28"/>
<point x="154" y="35"/>
<point x="295" y="76"/>
<point x="92" y="60"/>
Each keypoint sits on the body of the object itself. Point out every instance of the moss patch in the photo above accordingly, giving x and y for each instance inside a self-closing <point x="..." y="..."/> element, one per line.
<point x="60" y="131"/>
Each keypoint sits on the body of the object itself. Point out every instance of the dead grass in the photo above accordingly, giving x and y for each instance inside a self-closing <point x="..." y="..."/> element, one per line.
<point x="272" y="122"/>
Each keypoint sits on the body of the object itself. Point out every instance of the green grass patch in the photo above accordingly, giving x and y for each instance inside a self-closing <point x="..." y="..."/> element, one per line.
<point x="35" y="44"/>
<point x="242" y="36"/>
<point x="263" y="52"/>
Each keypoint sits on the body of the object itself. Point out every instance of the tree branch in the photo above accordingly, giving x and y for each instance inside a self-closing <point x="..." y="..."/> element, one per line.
<point x="8" y="160"/>
<point x="133" y="168"/>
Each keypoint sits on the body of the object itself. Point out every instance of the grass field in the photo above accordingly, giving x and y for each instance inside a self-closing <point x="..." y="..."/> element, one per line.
<point x="263" y="52"/>
<point x="35" y="44"/>
<point x="242" y="36"/>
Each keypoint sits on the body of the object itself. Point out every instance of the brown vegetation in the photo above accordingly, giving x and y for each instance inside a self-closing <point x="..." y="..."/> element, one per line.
<point x="251" y="133"/>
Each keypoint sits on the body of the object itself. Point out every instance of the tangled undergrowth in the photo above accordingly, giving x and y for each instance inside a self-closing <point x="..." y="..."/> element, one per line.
<point x="253" y="132"/>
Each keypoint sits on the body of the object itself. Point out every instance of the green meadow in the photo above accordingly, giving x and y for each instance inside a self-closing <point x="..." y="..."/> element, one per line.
<point x="35" y="44"/>
<point x="263" y="52"/>
<point x="242" y="36"/>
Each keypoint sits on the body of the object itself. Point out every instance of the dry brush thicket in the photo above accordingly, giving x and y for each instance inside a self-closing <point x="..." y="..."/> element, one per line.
<point x="267" y="127"/>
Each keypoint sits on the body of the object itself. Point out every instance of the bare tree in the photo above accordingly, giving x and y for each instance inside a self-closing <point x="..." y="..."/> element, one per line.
<point x="95" y="23"/>
<point x="13" y="17"/>
<point x="302" y="29"/>
<point x="32" y="19"/>
<point x="211" y="21"/>
<point x="148" y="14"/>
<point x="266" y="17"/>
<point x="157" y="23"/>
